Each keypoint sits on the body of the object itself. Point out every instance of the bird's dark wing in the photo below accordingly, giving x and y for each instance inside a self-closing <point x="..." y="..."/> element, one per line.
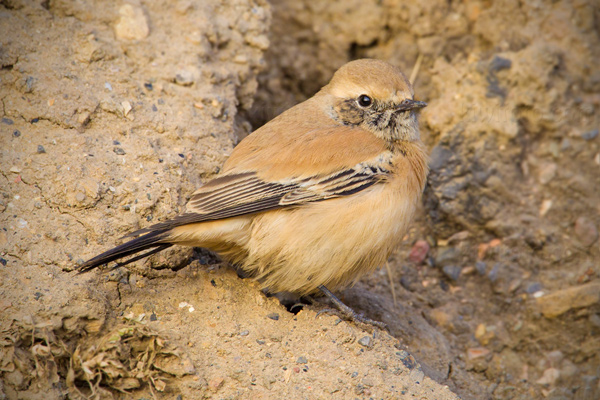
<point x="245" y="193"/>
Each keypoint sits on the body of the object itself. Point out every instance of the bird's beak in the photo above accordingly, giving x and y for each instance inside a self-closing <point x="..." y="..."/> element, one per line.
<point x="409" y="104"/>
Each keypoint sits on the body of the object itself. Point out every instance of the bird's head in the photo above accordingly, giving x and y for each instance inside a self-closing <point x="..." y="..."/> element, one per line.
<point x="375" y="96"/>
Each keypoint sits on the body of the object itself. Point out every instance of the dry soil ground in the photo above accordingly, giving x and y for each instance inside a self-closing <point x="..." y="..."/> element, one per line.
<point x="113" y="112"/>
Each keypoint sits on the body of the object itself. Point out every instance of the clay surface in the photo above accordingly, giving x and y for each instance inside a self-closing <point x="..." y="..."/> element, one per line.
<point x="112" y="113"/>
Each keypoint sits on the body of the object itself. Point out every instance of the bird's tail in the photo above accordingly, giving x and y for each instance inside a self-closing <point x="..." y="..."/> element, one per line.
<point x="153" y="240"/>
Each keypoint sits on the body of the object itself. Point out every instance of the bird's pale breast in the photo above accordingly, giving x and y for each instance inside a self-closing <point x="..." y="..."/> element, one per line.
<point x="334" y="242"/>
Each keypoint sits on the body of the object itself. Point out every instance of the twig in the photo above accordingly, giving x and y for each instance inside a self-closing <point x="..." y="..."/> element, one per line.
<point x="416" y="68"/>
<point x="391" y="278"/>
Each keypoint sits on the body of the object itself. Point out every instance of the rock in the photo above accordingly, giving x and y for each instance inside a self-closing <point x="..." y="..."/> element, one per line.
<point x="259" y="41"/>
<point x="590" y="135"/>
<point x="365" y="341"/>
<point x="441" y="318"/>
<point x="477" y="352"/>
<point x="555" y="357"/>
<point x="440" y="156"/>
<point x="459" y="237"/>
<point x="419" y="252"/>
<point x="417" y="375"/>
<point x="452" y="271"/>
<point x="499" y="63"/>
<point x="561" y="301"/>
<point x="126" y="107"/>
<point x="533" y="287"/>
<point x="133" y="24"/>
<point x="184" y="78"/>
<point x="547" y="173"/>
<point x="545" y="207"/>
<point x="586" y="231"/>
<point x="301" y="360"/>
<point x="215" y="383"/>
<point x="595" y="320"/>
<point x="549" y="377"/>
<point x="493" y="274"/>
<point x="273" y="316"/>
<point x="481" y="267"/>
<point x="447" y="255"/>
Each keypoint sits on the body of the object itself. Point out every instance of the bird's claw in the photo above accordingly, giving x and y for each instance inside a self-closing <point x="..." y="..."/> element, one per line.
<point x="358" y="318"/>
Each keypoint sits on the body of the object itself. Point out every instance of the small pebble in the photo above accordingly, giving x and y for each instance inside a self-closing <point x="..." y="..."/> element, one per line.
<point x="481" y="267"/>
<point x="594" y="318"/>
<point x="493" y="274"/>
<point x="419" y="252"/>
<point x="446" y="256"/>
<point x="499" y="63"/>
<point x="549" y="377"/>
<point x="301" y="360"/>
<point x="7" y="121"/>
<point x="261" y="342"/>
<point x="119" y="151"/>
<point x="533" y="287"/>
<point x="590" y="135"/>
<point x="244" y="333"/>
<point x="452" y="271"/>
<point x="184" y="78"/>
<point x="559" y="302"/>
<point x="365" y="341"/>
<point x="41" y="149"/>
<point x="476" y="352"/>
<point x="545" y="207"/>
<point x="29" y="83"/>
<point x="17" y="133"/>
<point x="148" y="86"/>
<point x="153" y="317"/>
<point x="547" y="173"/>
<point x="468" y="270"/>
<point x="108" y="86"/>
<point x="126" y="107"/>
<point x="273" y="316"/>
<point x="132" y="24"/>
<point x="586" y="231"/>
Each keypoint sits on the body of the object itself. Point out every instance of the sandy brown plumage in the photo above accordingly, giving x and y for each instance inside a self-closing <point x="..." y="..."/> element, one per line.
<point x="318" y="196"/>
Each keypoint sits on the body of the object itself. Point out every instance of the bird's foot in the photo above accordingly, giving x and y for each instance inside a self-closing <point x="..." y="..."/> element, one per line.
<point x="345" y="312"/>
<point x="357" y="318"/>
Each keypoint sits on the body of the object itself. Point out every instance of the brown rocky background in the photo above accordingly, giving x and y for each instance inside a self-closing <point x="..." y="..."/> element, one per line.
<point x="113" y="112"/>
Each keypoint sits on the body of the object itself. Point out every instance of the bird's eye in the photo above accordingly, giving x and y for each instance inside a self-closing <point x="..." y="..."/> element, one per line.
<point x="364" y="100"/>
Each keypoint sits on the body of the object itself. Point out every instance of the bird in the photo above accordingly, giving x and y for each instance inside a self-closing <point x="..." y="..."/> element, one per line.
<point x="315" y="198"/>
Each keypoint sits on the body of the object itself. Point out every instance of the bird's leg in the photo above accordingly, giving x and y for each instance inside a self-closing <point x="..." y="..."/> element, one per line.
<point x="347" y="312"/>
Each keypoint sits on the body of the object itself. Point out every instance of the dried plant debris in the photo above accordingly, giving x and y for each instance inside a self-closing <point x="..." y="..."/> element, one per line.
<point x="128" y="357"/>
